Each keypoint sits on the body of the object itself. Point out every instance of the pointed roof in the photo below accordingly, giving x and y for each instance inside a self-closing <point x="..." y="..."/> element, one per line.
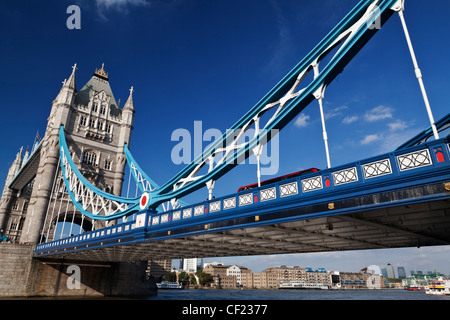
<point x="129" y="105"/>
<point x="18" y="160"/>
<point x="68" y="84"/>
<point x="71" y="82"/>
<point x="99" y="82"/>
<point x="17" y="163"/>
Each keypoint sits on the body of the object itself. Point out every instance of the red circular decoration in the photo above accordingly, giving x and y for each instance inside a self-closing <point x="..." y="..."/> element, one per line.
<point x="144" y="200"/>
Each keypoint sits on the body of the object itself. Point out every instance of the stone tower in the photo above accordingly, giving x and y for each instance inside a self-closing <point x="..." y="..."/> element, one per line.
<point x="96" y="130"/>
<point x="9" y="204"/>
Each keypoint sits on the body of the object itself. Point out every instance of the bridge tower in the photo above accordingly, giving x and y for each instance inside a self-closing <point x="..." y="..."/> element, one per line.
<point x="8" y="202"/>
<point x="97" y="129"/>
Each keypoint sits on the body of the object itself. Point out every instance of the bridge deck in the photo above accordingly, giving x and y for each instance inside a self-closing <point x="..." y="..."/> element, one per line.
<point x="400" y="199"/>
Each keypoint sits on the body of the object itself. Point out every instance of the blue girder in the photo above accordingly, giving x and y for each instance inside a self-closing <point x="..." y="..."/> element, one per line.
<point x="352" y="33"/>
<point x="143" y="181"/>
<point x="84" y="195"/>
<point x="353" y="44"/>
<point x="441" y="125"/>
<point x="421" y="166"/>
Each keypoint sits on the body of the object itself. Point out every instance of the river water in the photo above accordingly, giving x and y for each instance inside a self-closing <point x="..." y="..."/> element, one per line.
<point x="286" y="304"/>
<point x="388" y="294"/>
<point x="252" y="304"/>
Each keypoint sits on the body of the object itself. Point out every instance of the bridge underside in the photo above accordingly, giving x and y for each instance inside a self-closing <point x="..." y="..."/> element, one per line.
<point x="377" y="221"/>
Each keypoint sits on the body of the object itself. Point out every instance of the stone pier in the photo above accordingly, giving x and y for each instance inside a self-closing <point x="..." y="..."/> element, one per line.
<point x="24" y="276"/>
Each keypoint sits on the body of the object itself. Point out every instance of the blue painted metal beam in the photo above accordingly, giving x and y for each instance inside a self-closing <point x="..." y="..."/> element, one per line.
<point x="441" y="125"/>
<point x="144" y="182"/>
<point x="352" y="45"/>
<point x="341" y="190"/>
<point x="86" y="196"/>
<point x="351" y="34"/>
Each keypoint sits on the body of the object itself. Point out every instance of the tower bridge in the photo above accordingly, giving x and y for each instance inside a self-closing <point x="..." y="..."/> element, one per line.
<point x="392" y="200"/>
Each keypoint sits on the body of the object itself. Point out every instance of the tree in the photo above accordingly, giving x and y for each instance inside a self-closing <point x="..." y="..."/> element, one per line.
<point x="204" y="278"/>
<point x="171" y="277"/>
<point x="183" y="276"/>
<point x="192" y="279"/>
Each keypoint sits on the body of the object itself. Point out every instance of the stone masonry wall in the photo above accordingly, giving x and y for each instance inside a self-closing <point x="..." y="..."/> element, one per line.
<point x="23" y="276"/>
<point x="15" y="267"/>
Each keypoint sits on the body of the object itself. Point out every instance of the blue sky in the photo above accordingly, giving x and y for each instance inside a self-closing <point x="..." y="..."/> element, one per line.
<point x="211" y="61"/>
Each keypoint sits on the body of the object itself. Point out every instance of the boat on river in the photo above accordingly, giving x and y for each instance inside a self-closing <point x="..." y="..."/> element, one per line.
<point x="168" y="285"/>
<point x="302" y="285"/>
<point x="439" y="287"/>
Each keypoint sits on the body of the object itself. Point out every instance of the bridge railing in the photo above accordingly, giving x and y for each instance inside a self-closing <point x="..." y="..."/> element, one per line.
<point x="376" y="174"/>
<point x="367" y="176"/>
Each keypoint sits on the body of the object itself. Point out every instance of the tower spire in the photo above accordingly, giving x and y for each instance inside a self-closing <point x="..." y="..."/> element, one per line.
<point x="71" y="82"/>
<point x="68" y="88"/>
<point x="129" y="105"/>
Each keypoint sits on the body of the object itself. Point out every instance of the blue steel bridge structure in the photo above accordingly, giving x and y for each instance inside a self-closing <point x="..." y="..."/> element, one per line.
<point x="392" y="200"/>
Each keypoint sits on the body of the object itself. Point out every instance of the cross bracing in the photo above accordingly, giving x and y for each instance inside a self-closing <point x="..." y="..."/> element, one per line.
<point x="415" y="164"/>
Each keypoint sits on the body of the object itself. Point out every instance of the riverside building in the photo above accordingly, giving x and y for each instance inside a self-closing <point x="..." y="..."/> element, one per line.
<point x="233" y="276"/>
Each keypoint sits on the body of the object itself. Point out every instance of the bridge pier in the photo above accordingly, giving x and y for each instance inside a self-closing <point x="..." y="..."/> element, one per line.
<point x="24" y="276"/>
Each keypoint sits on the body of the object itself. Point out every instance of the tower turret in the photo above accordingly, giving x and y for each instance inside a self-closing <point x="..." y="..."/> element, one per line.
<point x="7" y="195"/>
<point x="128" y="110"/>
<point x="126" y="126"/>
<point x="96" y="130"/>
<point x="67" y="93"/>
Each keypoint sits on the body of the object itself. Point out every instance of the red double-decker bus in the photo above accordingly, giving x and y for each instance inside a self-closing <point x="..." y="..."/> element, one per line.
<point x="273" y="180"/>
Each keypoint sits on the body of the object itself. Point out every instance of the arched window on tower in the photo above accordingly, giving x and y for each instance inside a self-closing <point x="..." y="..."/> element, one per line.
<point x="13" y="224"/>
<point x="107" y="164"/>
<point x="93" y="159"/>
<point x="21" y="221"/>
<point x="90" y="158"/>
<point x="15" y="205"/>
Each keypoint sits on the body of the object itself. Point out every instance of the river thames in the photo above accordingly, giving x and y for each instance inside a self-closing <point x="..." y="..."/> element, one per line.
<point x="389" y="294"/>
<point x="251" y="304"/>
<point x="279" y="304"/>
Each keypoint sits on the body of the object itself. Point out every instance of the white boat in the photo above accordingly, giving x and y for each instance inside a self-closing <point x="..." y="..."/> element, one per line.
<point x="302" y="285"/>
<point x="168" y="285"/>
<point x="440" y="287"/>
